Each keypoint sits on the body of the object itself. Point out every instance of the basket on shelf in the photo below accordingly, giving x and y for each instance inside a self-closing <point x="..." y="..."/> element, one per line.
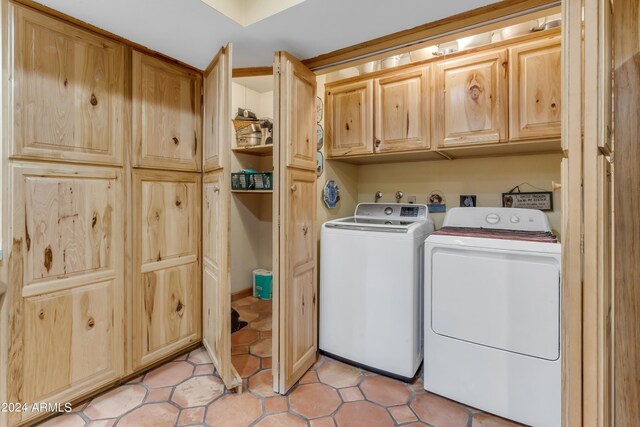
<point x="248" y="132"/>
<point x="245" y="180"/>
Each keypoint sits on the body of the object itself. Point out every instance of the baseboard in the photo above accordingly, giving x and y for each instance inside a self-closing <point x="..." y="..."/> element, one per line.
<point x="241" y="294"/>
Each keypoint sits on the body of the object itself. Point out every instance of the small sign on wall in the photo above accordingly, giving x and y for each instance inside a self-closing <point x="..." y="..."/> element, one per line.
<point x="542" y="200"/>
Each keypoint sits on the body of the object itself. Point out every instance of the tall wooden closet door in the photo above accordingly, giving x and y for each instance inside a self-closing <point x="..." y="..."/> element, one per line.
<point x="296" y="266"/>
<point x="216" y="287"/>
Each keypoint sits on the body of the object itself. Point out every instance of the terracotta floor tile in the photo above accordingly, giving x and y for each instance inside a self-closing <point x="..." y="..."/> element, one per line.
<point x="309" y="377"/>
<point x="416" y="424"/>
<point x="262" y="347"/>
<point x="363" y="414"/>
<point x="80" y="407"/>
<point x="439" y="411"/>
<point x="385" y="391"/>
<point x="159" y="394"/>
<point x="245" y="301"/>
<point x="67" y="420"/>
<point x="234" y="410"/>
<point x="338" y="374"/>
<point x="488" y="420"/>
<point x="191" y="416"/>
<point x="136" y="379"/>
<point x="168" y="375"/>
<point x="266" y="363"/>
<point x="243" y="337"/>
<point x="275" y="404"/>
<point x="263" y="324"/>
<point x="351" y="394"/>
<point x="152" y="415"/>
<point x="199" y="356"/>
<point x="204" y="370"/>
<point x="103" y="423"/>
<point x="322" y="422"/>
<point x="281" y="420"/>
<point x="319" y="362"/>
<point x="198" y="391"/>
<point x="261" y="306"/>
<point x="116" y="402"/>
<point x="402" y="414"/>
<point x="314" y="400"/>
<point x="181" y="357"/>
<point x="246" y="364"/>
<point x="266" y="334"/>
<point x="262" y="383"/>
<point x="417" y="386"/>
<point x="247" y="315"/>
<point x="239" y="349"/>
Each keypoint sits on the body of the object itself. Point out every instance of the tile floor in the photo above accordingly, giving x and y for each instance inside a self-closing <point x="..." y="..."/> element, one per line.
<point x="187" y="392"/>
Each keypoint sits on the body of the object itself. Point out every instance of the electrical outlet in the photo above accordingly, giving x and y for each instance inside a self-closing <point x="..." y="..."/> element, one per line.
<point x="411" y="199"/>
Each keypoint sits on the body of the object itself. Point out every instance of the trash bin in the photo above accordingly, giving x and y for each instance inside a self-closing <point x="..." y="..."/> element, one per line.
<point x="262" y="283"/>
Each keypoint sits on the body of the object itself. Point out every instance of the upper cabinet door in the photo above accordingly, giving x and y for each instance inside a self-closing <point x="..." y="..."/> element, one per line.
<point x="402" y="112"/>
<point x="68" y="93"/>
<point x="349" y="119"/>
<point x="473" y="99"/>
<point x="535" y="90"/>
<point x="217" y="89"/>
<point x="166" y="115"/>
<point x="295" y="263"/>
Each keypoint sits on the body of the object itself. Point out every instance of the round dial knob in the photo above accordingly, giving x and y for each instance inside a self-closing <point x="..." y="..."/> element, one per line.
<point x="492" y="218"/>
<point x="514" y="219"/>
<point x="388" y="210"/>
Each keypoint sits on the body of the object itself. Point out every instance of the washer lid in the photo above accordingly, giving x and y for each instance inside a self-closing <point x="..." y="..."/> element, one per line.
<point x="373" y="224"/>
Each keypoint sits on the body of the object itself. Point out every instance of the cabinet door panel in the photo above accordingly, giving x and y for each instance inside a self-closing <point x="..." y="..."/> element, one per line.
<point x="169" y="219"/>
<point x="68" y="92"/>
<point x="302" y="123"/>
<point x="216" y="91"/>
<point x="65" y="293"/>
<point x="402" y="112"/>
<point x="166" y="291"/>
<point x="349" y="119"/>
<point x="535" y="91"/>
<point x="473" y="106"/>
<point x="166" y="114"/>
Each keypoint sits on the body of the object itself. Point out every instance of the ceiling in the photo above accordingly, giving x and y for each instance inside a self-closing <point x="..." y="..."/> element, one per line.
<point x="192" y="32"/>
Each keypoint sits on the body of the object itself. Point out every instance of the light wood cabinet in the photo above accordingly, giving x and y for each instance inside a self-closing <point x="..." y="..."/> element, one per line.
<point x="349" y="119"/>
<point x="216" y="88"/>
<point x="402" y="113"/>
<point x="166" y="245"/>
<point x="166" y="119"/>
<point x="66" y="283"/>
<point x="472" y="107"/>
<point x="301" y="118"/>
<point x="535" y="90"/>
<point x="68" y="97"/>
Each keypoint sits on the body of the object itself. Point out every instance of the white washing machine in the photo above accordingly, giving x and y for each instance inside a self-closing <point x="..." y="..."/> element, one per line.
<point x="492" y="313"/>
<point x="371" y="287"/>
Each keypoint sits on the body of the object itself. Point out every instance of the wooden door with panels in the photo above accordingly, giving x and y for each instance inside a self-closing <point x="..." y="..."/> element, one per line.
<point x="65" y="283"/>
<point x="67" y="95"/>
<point x="295" y="258"/>
<point x="349" y="119"/>
<point x="166" y="105"/>
<point x="535" y="90"/>
<point x="216" y="282"/>
<point x="472" y="99"/>
<point x="167" y="276"/>
<point x="402" y="113"/>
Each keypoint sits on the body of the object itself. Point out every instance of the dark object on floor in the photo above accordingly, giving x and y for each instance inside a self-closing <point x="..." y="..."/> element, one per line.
<point x="236" y="323"/>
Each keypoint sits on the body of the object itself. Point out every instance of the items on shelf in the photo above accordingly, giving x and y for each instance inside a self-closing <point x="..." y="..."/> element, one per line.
<point x="250" y="179"/>
<point x="250" y="131"/>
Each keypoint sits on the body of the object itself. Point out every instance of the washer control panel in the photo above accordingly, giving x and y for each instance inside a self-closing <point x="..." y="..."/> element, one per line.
<point x="392" y="211"/>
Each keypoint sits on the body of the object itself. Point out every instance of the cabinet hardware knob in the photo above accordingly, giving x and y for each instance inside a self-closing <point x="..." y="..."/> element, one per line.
<point x="555" y="186"/>
<point x="378" y="143"/>
<point x="176" y="140"/>
<point x="216" y="189"/>
<point x="93" y="100"/>
<point x="294" y="187"/>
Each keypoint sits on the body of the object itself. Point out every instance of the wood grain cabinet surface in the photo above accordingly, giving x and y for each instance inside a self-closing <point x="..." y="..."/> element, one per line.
<point x="402" y="113"/>
<point x="66" y="283"/>
<point x="349" y="119"/>
<point x="472" y="107"/>
<point x="535" y="91"/>
<point x="166" y="302"/>
<point x="167" y="101"/>
<point x="68" y="94"/>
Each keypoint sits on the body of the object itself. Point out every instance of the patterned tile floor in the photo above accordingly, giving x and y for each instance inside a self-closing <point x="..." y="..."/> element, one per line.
<point x="187" y="392"/>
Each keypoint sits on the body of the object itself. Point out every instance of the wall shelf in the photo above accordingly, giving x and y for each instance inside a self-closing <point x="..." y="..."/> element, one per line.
<point x="255" y="150"/>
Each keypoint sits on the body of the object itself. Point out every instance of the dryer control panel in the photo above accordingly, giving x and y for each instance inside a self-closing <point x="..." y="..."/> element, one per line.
<point x="498" y="218"/>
